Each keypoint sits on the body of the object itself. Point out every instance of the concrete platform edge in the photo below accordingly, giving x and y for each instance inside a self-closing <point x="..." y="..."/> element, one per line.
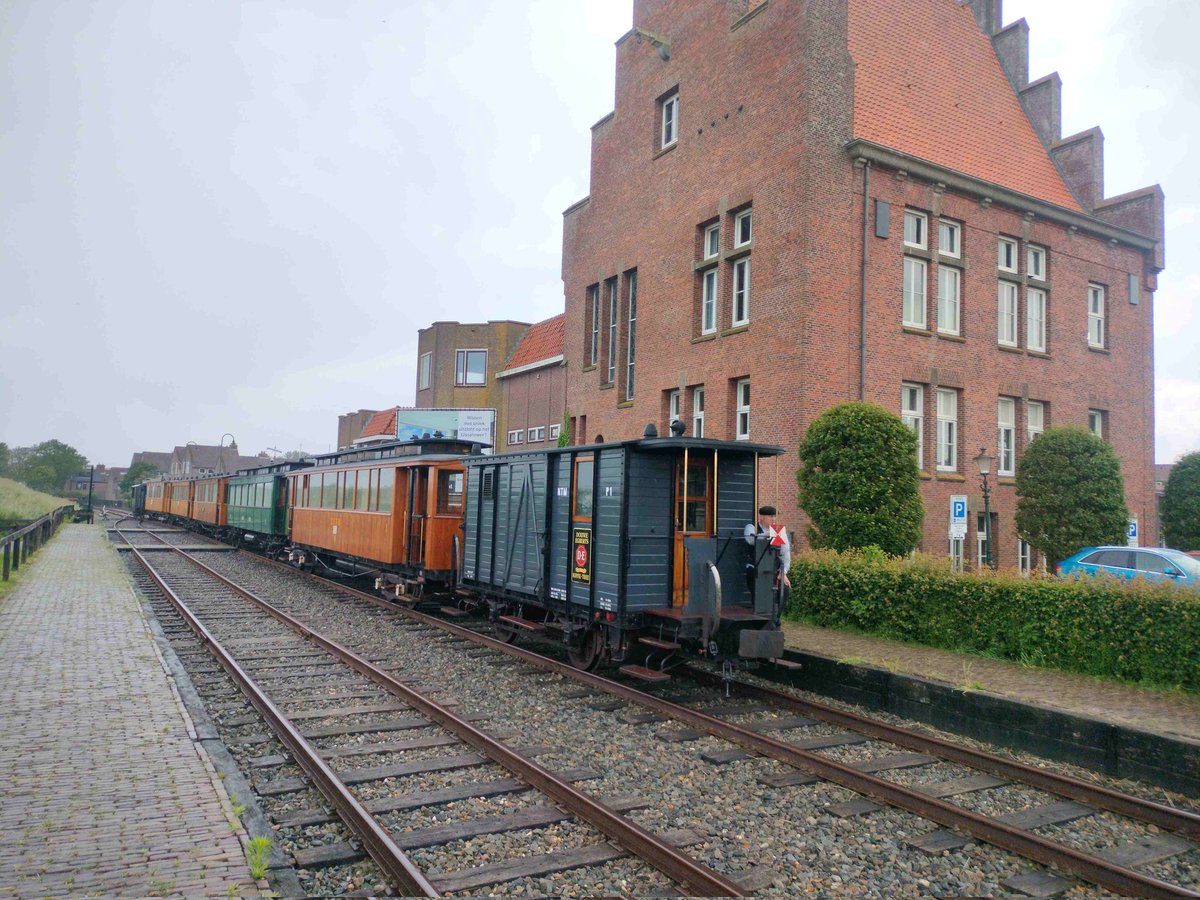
<point x="1114" y="750"/>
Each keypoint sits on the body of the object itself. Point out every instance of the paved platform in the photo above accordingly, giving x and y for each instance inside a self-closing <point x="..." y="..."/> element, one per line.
<point x="1126" y="705"/>
<point x="105" y="789"/>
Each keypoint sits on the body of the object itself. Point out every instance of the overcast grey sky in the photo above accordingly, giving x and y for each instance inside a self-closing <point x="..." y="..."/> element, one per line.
<point x="234" y="216"/>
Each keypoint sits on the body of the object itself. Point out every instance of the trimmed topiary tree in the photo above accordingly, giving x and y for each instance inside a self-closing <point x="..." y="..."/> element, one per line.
<point x="859" y="482"/>
<point x="1070" y="494"/>
<point x="1180" y="507"/>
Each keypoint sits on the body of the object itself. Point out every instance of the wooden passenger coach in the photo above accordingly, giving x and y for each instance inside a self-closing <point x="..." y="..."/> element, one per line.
<point x="257" y="504"/>
<point x="630" y="549"/>
<point x="396" y="508"/>
<point x="208" y="500"/>
<point x="179" y="499"/>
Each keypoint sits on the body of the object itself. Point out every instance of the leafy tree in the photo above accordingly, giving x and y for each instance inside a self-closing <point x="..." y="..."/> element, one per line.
<point x="5" y="454"/>
<point x="140" y="471"/>
<point x="1181" y="504"/>
<point x="859" y="481"/>
<point x="564" y="433"/>
<point x="47" y="466"/>
<point x="1070" y="494"/>
<point x="295" y="455"/>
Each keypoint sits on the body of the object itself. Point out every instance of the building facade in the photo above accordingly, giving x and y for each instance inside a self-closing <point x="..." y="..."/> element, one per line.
<point x="789" y="208"/>
<point x="351" y="425"/>
<point x="457" y="364"/>
<point x="534" y="388"/>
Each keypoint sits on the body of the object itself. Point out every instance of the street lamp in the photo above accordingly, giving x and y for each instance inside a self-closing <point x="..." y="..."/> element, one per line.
<point x="984" y="462"/>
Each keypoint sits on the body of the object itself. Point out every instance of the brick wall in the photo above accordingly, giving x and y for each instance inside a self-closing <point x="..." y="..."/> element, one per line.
<point x="533" y="399"/>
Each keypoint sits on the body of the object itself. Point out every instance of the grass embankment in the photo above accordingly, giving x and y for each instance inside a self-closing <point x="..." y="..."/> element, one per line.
<point x="1136" y="632"/>
<point x="20" y="502"/>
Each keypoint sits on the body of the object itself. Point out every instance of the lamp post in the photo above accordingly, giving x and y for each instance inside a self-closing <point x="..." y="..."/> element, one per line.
<point x="984" y="462"/>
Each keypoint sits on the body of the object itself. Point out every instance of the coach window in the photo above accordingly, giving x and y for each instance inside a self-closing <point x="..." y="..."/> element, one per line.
<point x="693" y="513"/>
<point x="387" y="478"/>
<point x="329" y="490"/>
<point x="450" y="493"/>
<point x="584" y="469"/>
<point x="362" y="495"/>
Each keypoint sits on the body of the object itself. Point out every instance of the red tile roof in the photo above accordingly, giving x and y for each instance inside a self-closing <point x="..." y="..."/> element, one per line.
<point x="542" y="341"/>
<point x="383" y="422"/>
<point x="928" y="83"/>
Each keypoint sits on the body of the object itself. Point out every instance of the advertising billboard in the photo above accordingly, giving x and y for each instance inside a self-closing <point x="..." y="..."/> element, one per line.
<point x="477" y="425"/>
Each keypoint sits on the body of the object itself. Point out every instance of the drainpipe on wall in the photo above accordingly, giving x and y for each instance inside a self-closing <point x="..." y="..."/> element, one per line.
<point x="862" y="300"/>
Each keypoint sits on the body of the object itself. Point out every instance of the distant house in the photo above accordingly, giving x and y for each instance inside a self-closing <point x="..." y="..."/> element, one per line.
<point x="534" y="388"/>
<point x="351" y="425"/>
<point x="201" y="460"/>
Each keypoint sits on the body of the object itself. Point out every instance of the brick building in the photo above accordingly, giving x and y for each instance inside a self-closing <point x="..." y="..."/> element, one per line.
<point x="801" y="202"/>
<point x="457" y="364"/>
<point x="534" y="388"/>
<point x="351" y="425"/>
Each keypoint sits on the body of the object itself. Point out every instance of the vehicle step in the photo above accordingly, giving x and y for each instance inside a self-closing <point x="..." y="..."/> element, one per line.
<point x="454" y="611"/>
<point x="658" y="644"/>
<point x="518" y="622"/>
<point x="782" y="663"/>
<point x="644" y="674"/>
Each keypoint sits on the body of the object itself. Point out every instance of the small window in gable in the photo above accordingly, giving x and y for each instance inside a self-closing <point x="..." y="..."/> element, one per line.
<point x="670" y="120"/>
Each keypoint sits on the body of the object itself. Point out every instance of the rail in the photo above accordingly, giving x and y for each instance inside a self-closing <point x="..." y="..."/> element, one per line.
<point x="16" y="546"/>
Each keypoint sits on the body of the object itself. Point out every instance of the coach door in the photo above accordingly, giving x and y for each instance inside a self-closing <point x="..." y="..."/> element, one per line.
<point x="693" y="514"/>
<point x="418" y="493"/>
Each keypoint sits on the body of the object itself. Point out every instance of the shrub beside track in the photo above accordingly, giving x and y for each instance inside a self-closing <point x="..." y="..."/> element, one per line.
<point x="1135" y="632"/>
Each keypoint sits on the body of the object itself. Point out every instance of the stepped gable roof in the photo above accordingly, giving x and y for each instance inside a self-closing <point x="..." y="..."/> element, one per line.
<point x="383" y="422"/>
<point x="928" y="83"/>
<point x="545" y="340"/>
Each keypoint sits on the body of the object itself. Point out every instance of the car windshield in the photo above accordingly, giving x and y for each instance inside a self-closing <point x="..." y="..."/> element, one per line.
<point x="1189" y="564"/>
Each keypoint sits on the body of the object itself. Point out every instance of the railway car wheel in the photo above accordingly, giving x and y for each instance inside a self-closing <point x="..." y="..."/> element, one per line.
<point x="504" y="632"/>
<point x="587" y="652"/>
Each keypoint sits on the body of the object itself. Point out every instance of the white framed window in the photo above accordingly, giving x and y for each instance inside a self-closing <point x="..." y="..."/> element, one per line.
<point x="470" y="367"/>
<point x="537" y="434"/>
<point x="670" y="120"/>
<point x="912" y="411"/>
<point x="555" y="431"/>
<point x="741" y="292"/>
<point x="914" y="292"/>
<point x="1035" y="320"/>
<point x="957" y="553"/>
<point x="742" y="421"/>
<point x="743" y="225"/>
<point x="1035" y="418"/>
<point x="949" y="299"/>
<point x="1006" y="436"/>
<point x="631" y="336"/>
<point x="516" y="437"/>
<point x="980" y="542"/>
<point x="949" y="238"/>
<point x="1007" y="256"/>
<point x="1006" y="317"/>
<point x="1096" y="315"/>
<point x="708" y="301"/>
<point x="1026" y="558"/>
<point x="698" y="412"/>
<point x="673" y="400"/>
<point x="947" y="430"/>
<point x="1035" y="262"/>
<point x="916" y="226"/>
<point x="594" y="350"/>
<point x="424" y="371"/>
<point x="712" y="241"/>
<point x="1096" y="422"/>
<point x="612" y="330"/>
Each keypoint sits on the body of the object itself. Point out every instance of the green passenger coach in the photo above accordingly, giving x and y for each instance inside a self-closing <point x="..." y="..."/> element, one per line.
<point x="256" y="504"/>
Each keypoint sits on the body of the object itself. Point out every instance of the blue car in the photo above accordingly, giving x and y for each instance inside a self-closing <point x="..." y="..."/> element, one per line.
<point x="1152" y="563"/>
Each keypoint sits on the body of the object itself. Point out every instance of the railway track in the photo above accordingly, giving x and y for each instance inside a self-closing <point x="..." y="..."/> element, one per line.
<point x="1172" y="831"/>
<point x="220" y="613"/>
<point x="859" y="753"/>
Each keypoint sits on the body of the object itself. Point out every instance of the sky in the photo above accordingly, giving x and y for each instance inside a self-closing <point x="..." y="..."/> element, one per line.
<point x="231" y="218"/>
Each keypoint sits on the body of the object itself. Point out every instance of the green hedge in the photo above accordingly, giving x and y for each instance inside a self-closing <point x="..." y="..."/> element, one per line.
<point x="1134" y="632"/>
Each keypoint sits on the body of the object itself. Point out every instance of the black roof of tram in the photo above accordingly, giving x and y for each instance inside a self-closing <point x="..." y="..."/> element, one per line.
<point x="658" y="444"/>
